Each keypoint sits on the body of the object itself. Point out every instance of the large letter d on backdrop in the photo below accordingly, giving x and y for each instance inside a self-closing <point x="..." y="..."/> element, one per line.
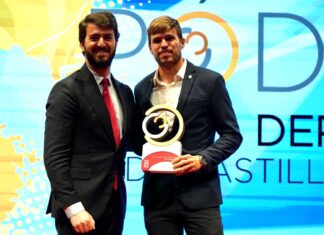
<point x="312" y="76"/>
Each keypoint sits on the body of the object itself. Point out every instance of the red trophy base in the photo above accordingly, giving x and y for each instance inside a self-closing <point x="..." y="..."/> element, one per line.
<point x="158" y="159"/>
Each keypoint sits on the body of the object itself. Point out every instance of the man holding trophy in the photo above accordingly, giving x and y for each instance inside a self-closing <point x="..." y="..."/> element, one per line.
<point x="181" y="102"/>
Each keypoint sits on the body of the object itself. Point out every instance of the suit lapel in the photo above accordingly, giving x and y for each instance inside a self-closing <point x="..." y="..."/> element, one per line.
<point x="188" y="81"/>
<point x="95" y="100"/>
<point x="146" y="93"/>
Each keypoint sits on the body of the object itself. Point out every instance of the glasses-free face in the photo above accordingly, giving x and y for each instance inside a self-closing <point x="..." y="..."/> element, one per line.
<point x="166" y="47"/>
<point x="99" y="46"/>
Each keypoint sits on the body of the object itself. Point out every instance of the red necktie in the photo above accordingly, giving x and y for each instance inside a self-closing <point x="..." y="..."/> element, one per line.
<point x="111" y="110"/>
<point x="113" y="118"/>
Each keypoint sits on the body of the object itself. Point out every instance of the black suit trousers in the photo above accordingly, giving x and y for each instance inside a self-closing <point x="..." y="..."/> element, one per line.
<point x="175" y="218"/>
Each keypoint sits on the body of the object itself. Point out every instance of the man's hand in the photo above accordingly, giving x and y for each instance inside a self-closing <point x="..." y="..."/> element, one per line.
<point x="186" y="163"/>
<point x="82" y="222"/>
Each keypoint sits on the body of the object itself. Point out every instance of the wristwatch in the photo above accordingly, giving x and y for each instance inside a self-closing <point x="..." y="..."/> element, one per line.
<point x="203" y="161"/>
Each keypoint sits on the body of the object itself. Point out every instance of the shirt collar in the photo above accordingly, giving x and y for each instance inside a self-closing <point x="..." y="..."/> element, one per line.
<point x="178" y="77"/>
<point x="99" y="78"/>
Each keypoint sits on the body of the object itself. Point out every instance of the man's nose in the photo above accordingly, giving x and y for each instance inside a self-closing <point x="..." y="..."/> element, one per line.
<point x="101" y="41"/>
<point x="164" y="43"/>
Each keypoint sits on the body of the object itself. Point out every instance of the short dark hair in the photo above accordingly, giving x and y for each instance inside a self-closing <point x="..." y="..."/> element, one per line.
<point x="104" y="19"/>
<point x="162" y="24"/>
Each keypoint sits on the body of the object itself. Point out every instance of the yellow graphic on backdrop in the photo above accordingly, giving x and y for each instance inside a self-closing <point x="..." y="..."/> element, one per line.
<point x="10" y="181"/>
<point x="44" y="28"/>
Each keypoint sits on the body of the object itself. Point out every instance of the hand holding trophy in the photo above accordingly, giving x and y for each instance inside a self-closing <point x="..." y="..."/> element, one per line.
<point x="161" y="149"/>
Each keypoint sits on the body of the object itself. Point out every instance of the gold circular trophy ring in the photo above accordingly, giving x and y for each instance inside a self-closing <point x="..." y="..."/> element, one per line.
<point x="152" y="112"/>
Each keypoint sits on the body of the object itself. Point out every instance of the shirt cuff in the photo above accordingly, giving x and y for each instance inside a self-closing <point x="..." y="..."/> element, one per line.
<point x="73" y="209"/>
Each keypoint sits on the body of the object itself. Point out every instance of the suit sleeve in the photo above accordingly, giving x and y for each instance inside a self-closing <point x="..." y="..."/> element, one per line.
<point x="137" y="137"/>
<point x="61" y="109"/>
<point x="224" y="123"/>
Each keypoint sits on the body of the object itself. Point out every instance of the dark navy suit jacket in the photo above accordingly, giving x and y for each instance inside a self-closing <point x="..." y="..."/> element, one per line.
<point x="80" y="153"/>
<point x="206" y="108"/>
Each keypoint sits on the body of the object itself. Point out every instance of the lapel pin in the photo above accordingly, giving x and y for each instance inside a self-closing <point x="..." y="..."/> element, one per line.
<point x="190" y="76"/>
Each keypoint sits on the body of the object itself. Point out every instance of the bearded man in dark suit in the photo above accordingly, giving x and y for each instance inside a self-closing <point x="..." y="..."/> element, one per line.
<point x="88" y="120"/>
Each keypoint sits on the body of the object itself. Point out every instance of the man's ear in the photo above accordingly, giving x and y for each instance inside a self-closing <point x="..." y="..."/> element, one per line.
<point x="150" y="48"/>
<point x="182" y="42"/>
<point x="82" y="47"/>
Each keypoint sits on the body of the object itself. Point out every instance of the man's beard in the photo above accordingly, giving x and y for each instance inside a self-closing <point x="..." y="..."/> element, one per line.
<point x="165" y="62"/>
<point x="99" y="63"/>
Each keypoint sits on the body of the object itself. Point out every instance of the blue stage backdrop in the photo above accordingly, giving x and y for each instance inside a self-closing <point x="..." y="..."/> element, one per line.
<point x="271" y="55"/>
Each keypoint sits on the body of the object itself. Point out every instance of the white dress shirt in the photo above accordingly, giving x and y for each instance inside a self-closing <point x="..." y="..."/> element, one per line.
<point x="168" y="93"/>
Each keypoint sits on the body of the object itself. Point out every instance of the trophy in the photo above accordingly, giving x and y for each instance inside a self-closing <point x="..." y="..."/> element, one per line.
<point x="159" y="151"/>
